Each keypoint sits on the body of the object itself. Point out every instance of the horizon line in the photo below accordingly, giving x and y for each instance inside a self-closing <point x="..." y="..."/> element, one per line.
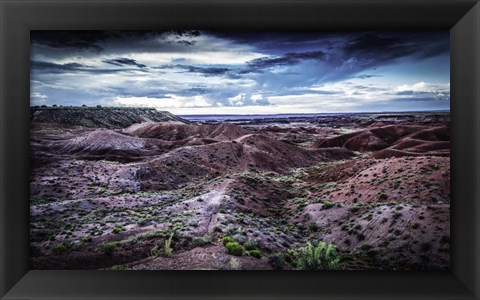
<point x="240" y="114"/>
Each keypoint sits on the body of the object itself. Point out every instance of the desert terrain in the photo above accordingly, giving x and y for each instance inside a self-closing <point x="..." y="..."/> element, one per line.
<point x="139" y="189"/>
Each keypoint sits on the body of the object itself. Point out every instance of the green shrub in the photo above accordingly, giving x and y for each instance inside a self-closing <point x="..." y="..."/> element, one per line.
<point x="327" y="205"/>
<point x="313" y="226"/>
<point x="248" y="246"/>
<point x="227" y="240"/>
<point x="234" y="248"/>
<point x="109" y="247"/>
<point x="59" y="248"/>
<point x="255" y="253"/>
<point x="322" y="256"/>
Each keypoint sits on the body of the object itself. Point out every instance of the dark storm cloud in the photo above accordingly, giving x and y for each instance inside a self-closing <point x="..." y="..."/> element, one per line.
<point x="345" y="53"/>
<point x="372" y="45"/>
<point x="53" y="68"/>
<point x="208" y="71"/>
<point x="95" y="40"/>
<point x="205" y="71"/>
<point x="237" y="68"/>
<point x="124" y="62"/>
<point x="384" y="47"/>
<point x="184" y="36"/>
<point x="285" y="60"/>
<point x="388" y="44"/>
<point x="368" y="76"/>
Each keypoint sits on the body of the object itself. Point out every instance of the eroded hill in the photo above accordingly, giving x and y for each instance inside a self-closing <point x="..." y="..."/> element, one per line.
<point x="100" y="117"/>
<point x="104" y="198"/>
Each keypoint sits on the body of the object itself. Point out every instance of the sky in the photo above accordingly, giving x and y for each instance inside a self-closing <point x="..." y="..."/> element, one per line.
<point x="243" y="72"/>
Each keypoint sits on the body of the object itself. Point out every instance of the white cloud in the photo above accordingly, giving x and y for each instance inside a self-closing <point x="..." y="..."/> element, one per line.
<point x="169" y="102"/>
<point x="39" y="96"/>
<point x="256" y="97"/>
<point x="346" y="90"/>
<point x="203" y="58"/>
<point x="425" y="87"/>
<point x="237" y="100"/>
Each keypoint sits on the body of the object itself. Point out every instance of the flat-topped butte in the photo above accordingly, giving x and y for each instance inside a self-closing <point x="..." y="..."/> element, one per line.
<point x="101" y="117"/>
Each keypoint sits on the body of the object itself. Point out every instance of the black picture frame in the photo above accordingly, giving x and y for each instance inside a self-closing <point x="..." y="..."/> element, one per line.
<point x="18" y="17"/>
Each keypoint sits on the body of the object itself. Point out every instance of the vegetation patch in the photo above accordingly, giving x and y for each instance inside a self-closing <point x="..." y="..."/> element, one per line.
<point x="320" y="256"/>
<point x="234" y="248"/>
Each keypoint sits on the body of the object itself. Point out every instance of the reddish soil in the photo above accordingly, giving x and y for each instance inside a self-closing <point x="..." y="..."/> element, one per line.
<point x="395" y="141"/>
<point x="378" y="187"/>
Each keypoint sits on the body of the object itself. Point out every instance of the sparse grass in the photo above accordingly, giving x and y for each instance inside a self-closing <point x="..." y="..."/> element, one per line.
<point x="199" y="241"/>
<point x="168" y="245"/>
<point x="119" y="268"/>
<point x="86" y="239"/>
<point x="248" y="246"/>
<point x="163" y="249"/>
<point x="117" y="229"/>
<point x="109" y="247"/>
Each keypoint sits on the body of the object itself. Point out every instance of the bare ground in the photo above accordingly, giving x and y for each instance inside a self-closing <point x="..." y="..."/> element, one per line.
<point x="111" y="198"/>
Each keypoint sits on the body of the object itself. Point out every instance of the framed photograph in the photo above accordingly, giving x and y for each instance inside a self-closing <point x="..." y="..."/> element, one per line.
<point x="240" y="150"/>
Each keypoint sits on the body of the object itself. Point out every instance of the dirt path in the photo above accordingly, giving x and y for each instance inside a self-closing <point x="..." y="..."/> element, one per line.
<point x="240" y="139"/>
<point x="212" y="201"/>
